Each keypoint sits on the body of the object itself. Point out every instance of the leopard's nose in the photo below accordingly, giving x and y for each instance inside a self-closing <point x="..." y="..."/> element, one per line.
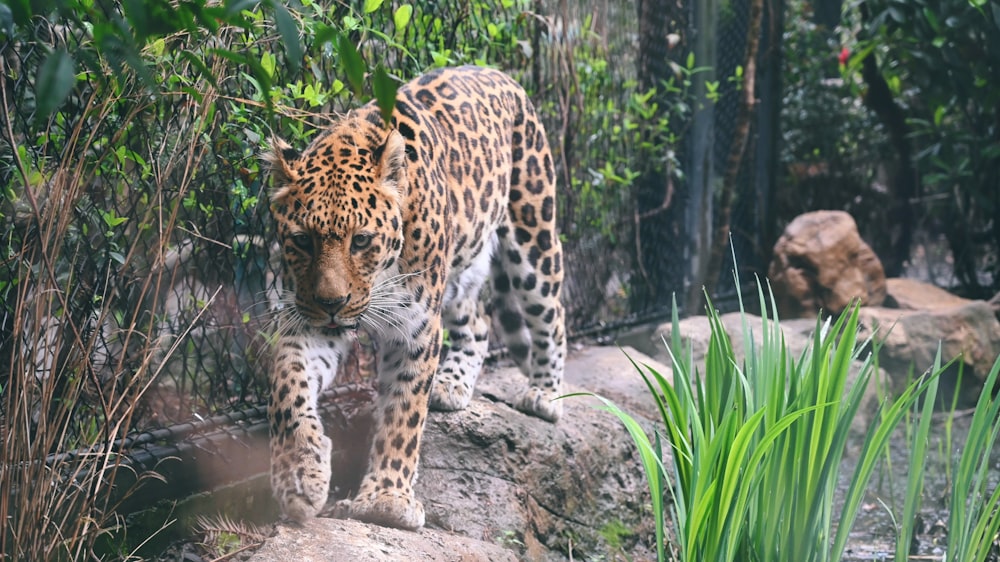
<point x="333" y="306"/>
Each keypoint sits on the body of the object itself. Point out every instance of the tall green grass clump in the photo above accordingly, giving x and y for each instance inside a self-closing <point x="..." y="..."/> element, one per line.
<point x="974" y="517"/>
<point x="756" y="444"/>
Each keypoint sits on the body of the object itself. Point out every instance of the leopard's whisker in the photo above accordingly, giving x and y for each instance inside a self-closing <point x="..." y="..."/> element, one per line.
<point x="381" y="317"/>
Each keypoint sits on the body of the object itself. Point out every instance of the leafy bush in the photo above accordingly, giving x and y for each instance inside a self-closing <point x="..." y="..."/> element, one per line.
<point x="941" y="62"/>
<point x="833" y="148"/>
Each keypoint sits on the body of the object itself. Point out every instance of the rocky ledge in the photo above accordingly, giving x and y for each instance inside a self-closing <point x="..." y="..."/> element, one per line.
<point x="500" y="485"/>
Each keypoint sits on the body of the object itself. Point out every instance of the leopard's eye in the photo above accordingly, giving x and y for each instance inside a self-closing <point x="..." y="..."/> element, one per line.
<point x="302" y="241"/>
<point x="360" y="242"/>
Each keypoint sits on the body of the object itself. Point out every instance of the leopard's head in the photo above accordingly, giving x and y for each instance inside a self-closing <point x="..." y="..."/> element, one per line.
<point x="338" y="210"/>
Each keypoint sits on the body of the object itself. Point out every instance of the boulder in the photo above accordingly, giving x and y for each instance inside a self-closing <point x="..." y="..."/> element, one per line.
<point x="821" y="263"/>
<point x="696" y="331"/>
<point x="910" y="340"/>
<point x="337" y="540"/>
<point x="798" y="334"/>
<point x="911" y="294"/>
<point x="497" y="484"/>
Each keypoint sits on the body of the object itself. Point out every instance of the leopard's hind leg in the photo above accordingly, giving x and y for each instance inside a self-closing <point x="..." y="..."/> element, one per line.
<point x="468" y="336"/>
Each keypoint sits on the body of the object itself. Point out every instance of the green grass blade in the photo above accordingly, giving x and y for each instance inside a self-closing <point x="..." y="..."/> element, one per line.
<point x="651" y="463"/>
<point x="915" y="477"/>
<point x="971" y="519"/>
<point x="879" y="434"/>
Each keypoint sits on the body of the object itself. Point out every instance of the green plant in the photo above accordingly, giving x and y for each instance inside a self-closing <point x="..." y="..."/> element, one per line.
<point x="625" y="126"/>
<point x="974" y="519"/>
<point x="940" y="61"/>
<point x="510" y="539"/>
<point x="222" y="537"/>
<point x="918" y="436"/>
<point x="831" y="145"/>
<point x="613" y="532"/>
<point x="756" y="446"/>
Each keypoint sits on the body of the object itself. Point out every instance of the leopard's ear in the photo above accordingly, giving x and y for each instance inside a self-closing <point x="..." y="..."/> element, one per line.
<point x="279" y="161"/>
<point x="392" y="165"/>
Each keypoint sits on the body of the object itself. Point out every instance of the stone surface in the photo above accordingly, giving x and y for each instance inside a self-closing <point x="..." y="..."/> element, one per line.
<point x="911" y="294"/>
<point x="336" y="540"/>
<point x="491" y="476"/>
<point x="696" y="331"/>
<point x="821" y="263"/>
<point x="910" y="340"/>
<point x="797" y="333"/>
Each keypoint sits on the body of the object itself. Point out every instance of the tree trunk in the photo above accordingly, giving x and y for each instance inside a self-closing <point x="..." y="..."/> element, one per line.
<point x="903" y="183"/>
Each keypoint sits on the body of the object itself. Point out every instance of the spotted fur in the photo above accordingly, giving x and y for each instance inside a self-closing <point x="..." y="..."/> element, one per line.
<point x="395" y="230"/>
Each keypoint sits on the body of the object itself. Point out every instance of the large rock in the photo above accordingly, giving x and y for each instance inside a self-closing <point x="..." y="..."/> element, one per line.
<point x="797" y="333"/>
<point x="910" y="341"/>
<point x="335" y="540"/>
<point x="492" y="476"/>
<point x="821" y="263"/>
<point x="696" y="331"/>
<point x="911" y="294"/>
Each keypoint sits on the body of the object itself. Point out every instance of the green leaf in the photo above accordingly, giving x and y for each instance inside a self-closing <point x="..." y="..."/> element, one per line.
<point x="234" y="7"/>
<point x="289" y="34"/>
<point x="939" y="115"/>
<point x="56" y="77"/>
<point x="352" y="63"/>
<point x="195" y="94"/>
<point x="113" y="220"/>
<point x="385" y="92"/>
<point x="652" y="465"/>
<point x="372" y="5"/>
<point x="267" y="62"/>
<point x="324" y="34"/>
<point x="932" y="19"/>
<point x="401" y="17"/>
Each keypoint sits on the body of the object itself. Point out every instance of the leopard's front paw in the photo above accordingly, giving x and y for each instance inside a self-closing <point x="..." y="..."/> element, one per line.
<point x="390" y="508"/>
<point x="449" y="394"/>
<point x="300" y="477"/>
<point x="541" y="403"/>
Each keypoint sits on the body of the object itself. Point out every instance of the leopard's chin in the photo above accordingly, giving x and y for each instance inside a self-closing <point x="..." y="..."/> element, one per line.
<point x="336" y="329"/>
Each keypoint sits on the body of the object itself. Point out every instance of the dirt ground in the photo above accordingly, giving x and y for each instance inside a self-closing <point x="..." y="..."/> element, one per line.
<point x="874" y="531"/>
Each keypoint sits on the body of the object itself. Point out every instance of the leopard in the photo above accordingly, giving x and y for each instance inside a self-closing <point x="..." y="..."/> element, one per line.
<point x="430" y="222"/>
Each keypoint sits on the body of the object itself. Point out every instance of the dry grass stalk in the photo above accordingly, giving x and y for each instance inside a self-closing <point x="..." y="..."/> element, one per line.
<point x="77" y="365"/>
